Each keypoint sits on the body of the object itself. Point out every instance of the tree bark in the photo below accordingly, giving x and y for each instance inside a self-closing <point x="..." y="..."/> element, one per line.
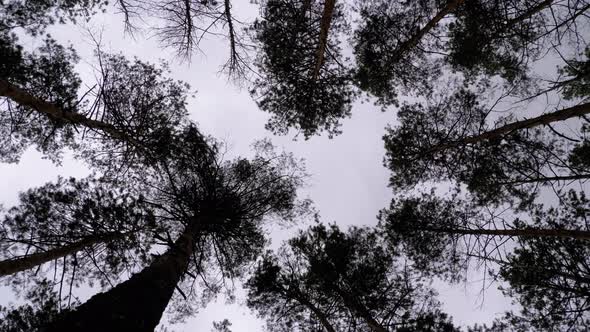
<point x="530" y="232"/>
<point x="327" y="15"/>
<point x="138" y="303"/>
<point x="415" y="39"/>
<point x="24" y="98"/>
<point x="11" y="266"/>
<point x="545" y="119"/>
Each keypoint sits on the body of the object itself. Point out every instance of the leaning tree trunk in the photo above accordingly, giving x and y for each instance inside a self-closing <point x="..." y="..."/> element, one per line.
<point x="316" y="311"/>
<point x="528" y="14"/>
<point x="415" y="39"/>
<point x="138" y="303"/>
<point x="545" y="119"/>
<point x="563" y="178"/>
<point x="11" y="266"/>
<point x="327" y="15"/>
<point x="355" y="306"/>
<point x="53" y="112"/>
<point x="530" y="232"/>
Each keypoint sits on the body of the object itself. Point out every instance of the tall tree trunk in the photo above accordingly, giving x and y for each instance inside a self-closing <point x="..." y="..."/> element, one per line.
<point x="545" y="119"/>
<point x="317" y="312"/>
<point x="359" y="308"/>
<point x="138" y="303"/>
<point x="24" y="98"/>
<point x="530" y="232"/>
<point x="11" y="266"/>
<point x="415" y="39"/>
<point x="327" y="15"/>
<point x="233" y="51"/>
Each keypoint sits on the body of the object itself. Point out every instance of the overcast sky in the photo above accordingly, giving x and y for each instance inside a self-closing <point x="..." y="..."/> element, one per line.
<point x="348" y="183"/>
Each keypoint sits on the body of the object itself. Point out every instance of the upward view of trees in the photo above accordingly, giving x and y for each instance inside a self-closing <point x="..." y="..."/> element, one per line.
<point x="487" y="151"/>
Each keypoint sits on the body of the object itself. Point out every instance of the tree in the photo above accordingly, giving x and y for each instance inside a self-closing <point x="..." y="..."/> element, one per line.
<point x="389" y="46"/>
<point x="504" y="37"/>
<point x="450" y="138"/>
<point x="131" y="118"/>
<point x="304" y="81"/>
<point x="440" y="235"/>
<point x="550" y="276"/>
<point x="402" y="48"/>
<point x="342" y="281"/>
<point x="215" y="210"/>
<point x="35" y="17"/>
<point x="32" y="317"/>
<point x="89" y="232"/>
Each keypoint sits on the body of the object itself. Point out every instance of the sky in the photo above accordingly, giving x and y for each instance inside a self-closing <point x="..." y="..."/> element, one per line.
<point x="348" y="182"/>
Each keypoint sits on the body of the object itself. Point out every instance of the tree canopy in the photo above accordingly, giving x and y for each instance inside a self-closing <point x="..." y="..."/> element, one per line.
<point x="487" y="151"/>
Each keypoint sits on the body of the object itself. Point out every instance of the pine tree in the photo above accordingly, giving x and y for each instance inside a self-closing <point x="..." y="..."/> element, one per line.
<point x="88" y="232"/>
<point x="450" y="138"/>
<point x="129" y="116"/>
<point x="305" y="83"/>
<point x="326" y="279"/>
<point x="215" y="210"/>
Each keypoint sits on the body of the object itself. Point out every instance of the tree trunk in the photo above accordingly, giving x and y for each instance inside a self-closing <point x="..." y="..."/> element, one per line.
<point x="234" y="58"/>
<point x="415" y="39"/>
<point x="545" y="119"/>
<point x="138" y="303"/>
<point x="11" y="266"/>
<point x="24" y="98"/>
<point x="529" y="13"/>
<point x="323" y="42"/>
<point x="318" y="313"/>
<point x="358" y="307"/>
<point x="530" y="232"/>
<point x="547" y="179"/>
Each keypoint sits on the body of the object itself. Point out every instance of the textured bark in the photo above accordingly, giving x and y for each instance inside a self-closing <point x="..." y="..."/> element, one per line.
<point x="531" y="232"/>
<point x="138" y="303"/>
<point x="24" y="98"/>
<point x="545" y="119"/>
<point x="415" y="39"/>
<point x="327" y="15"/>
<point x="11" y="266"/>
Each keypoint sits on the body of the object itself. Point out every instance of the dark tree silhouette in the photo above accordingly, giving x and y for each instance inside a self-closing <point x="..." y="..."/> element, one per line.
<point x="390" y="46"/>
<point x="441" y="234"/>
<point x="89" y="232"/>
<point x="335" y="281"/>
<point x="550" y="276"/>
<point x="32" y="317"/>
<point x="450" y="138"/>
<point x="130" y="119"/>
<point x="504" y="37"/>
<point x="35" y="17"/>
<point x="403" y="48"/>
<point x="305" y="82"/>
<point x="215" y="210"/>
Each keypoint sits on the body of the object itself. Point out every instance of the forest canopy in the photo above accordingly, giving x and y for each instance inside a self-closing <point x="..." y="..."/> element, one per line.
<point x="484" y="154"/>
